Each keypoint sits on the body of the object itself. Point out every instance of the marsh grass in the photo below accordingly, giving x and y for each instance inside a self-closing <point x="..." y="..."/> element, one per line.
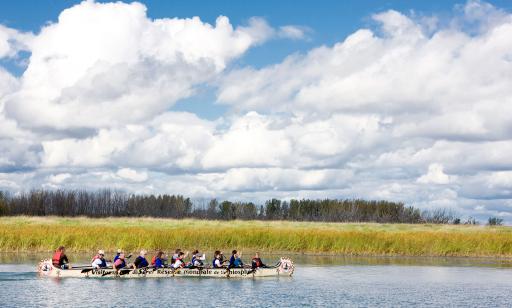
<point x="85" y="234"/>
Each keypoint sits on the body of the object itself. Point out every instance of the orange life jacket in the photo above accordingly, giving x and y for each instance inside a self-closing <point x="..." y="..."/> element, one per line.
<point x="56" y="258"/>
<point x="153" y="260"/>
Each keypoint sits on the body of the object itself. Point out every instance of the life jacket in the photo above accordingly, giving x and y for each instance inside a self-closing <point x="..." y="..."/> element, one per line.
<point x="257" y="262"/>
<point x="153" y="261"/>
<point x="122" y="265"/>
<point x="181" y="260"/>
<point x="103" y="261"/>
<point x="174" y="258"/>
<point x="193" y="260"/>
<point x="213" y="262"/>
<point x="56" y="258"/>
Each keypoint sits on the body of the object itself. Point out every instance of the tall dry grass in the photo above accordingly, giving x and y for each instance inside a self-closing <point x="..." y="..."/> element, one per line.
<point x="131" y="234"/>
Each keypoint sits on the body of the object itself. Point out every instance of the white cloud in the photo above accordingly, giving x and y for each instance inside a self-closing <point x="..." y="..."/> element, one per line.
<point x="132" y="175"/>
<point x="293" y="32"/>
<point x="108" y="64"/>
<point x="59" y="178"/>
<point x="435" y="175"/>
<point x="414" y="110"/>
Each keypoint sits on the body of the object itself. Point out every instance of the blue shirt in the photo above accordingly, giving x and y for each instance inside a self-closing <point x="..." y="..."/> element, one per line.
<point x="141" y="262"/>
<point x="235" y="262"/>
<point x="159" y="262"/>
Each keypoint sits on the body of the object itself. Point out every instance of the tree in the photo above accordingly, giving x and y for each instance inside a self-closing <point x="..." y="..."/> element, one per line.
<point x="495" y="221"/>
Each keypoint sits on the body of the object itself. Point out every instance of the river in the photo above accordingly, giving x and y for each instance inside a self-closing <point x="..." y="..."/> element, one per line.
<point x="318" y="281"/>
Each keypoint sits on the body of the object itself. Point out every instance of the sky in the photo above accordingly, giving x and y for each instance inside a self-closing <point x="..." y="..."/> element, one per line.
<point x="406" y="101"/>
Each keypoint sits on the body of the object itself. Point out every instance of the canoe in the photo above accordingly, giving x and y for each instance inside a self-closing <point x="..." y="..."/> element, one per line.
<point x="284" y="267"/>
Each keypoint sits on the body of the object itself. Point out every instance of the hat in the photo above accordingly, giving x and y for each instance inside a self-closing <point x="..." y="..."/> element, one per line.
<point x="119" y="250"/>
<point x="143" y="252"/>
<point x="101" y="252"/>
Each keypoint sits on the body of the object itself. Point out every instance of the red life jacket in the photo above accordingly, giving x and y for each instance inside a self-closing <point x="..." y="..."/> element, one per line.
<point x="56" y="258"/>
<point x="153" y="260"/>
<point x="257" y="262"/>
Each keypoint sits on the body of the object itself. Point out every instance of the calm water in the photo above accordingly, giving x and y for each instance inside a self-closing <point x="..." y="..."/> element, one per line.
<point x="320" y="281"/>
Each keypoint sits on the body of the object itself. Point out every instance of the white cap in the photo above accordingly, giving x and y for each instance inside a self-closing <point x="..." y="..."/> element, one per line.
<point x="143" y="252"/>
<point x="119" y="250"/>
<point x="101" y="252"/>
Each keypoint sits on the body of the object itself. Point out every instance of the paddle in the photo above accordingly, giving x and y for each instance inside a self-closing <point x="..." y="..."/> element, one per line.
<point x="86" y="270"/>
<point x="125" y="271"/>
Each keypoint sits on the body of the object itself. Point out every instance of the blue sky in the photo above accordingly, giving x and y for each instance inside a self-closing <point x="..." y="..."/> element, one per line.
<point x="399" y="100"/>
<point x="330" y="21"/>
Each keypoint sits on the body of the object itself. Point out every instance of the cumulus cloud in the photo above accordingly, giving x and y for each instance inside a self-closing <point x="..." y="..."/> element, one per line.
<point x="413" y="110"/>
<point x="435" y="175"/>
<point x="439" y="95"/>
<point x="106" y="64"/>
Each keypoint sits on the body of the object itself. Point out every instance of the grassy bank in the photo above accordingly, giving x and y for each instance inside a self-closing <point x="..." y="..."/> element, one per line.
<point x="131" y="234"/>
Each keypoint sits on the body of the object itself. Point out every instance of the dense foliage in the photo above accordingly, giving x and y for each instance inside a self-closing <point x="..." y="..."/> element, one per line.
<point x="106" y="203"/>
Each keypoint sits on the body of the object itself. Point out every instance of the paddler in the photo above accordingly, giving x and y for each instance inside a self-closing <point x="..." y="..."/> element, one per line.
<point x="119" y="251"/>
<point x="197" y="259"/>
<point x="235" y="260"/>
<point x="217" y="259"/>
<point x="256" y="261"/>
<point x="141" y="261"/>
<point x="99" y="260"/>
<point x="179" y="260"/>
<point x="176" y="255"/>
<point x="59" y="259"/>
<point x="159" y="260"/>
<point x="120" y="262"/>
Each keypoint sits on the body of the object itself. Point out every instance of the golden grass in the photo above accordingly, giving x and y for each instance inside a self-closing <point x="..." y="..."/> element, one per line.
<point x="86" y="234"/>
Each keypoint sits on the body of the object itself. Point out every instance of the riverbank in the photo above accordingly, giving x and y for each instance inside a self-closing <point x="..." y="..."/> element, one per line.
<point x="41" y="234"/>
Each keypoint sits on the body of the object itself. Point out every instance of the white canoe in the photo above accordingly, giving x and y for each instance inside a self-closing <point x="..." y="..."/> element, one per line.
<point x="284" y="267"/>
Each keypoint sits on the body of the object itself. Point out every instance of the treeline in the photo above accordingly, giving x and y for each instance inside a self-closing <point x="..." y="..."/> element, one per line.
<point x="105" y="203"/>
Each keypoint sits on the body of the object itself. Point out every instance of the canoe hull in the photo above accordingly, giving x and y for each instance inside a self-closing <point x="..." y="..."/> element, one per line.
<point x="285" y="267"/>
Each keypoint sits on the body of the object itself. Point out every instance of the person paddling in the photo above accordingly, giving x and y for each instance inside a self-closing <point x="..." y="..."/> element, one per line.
<point x="179" y="261"/>
<point x="59" y="259"/>
<point x="99" y="260"/>
<point x="176" y="255"/>
<point x="235" y="260"/>
<point x="141" y="260"/>
<point x="159" y="260"/>
<point x="120" y="263"/>
<point x="197" y="259"/>
<point x="119" y="252"/>
<point x="217" y="259"/>
<point x="256" y="261"/>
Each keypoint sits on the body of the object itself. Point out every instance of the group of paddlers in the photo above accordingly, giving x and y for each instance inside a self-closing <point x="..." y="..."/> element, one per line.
<point x="159" y="260"/>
